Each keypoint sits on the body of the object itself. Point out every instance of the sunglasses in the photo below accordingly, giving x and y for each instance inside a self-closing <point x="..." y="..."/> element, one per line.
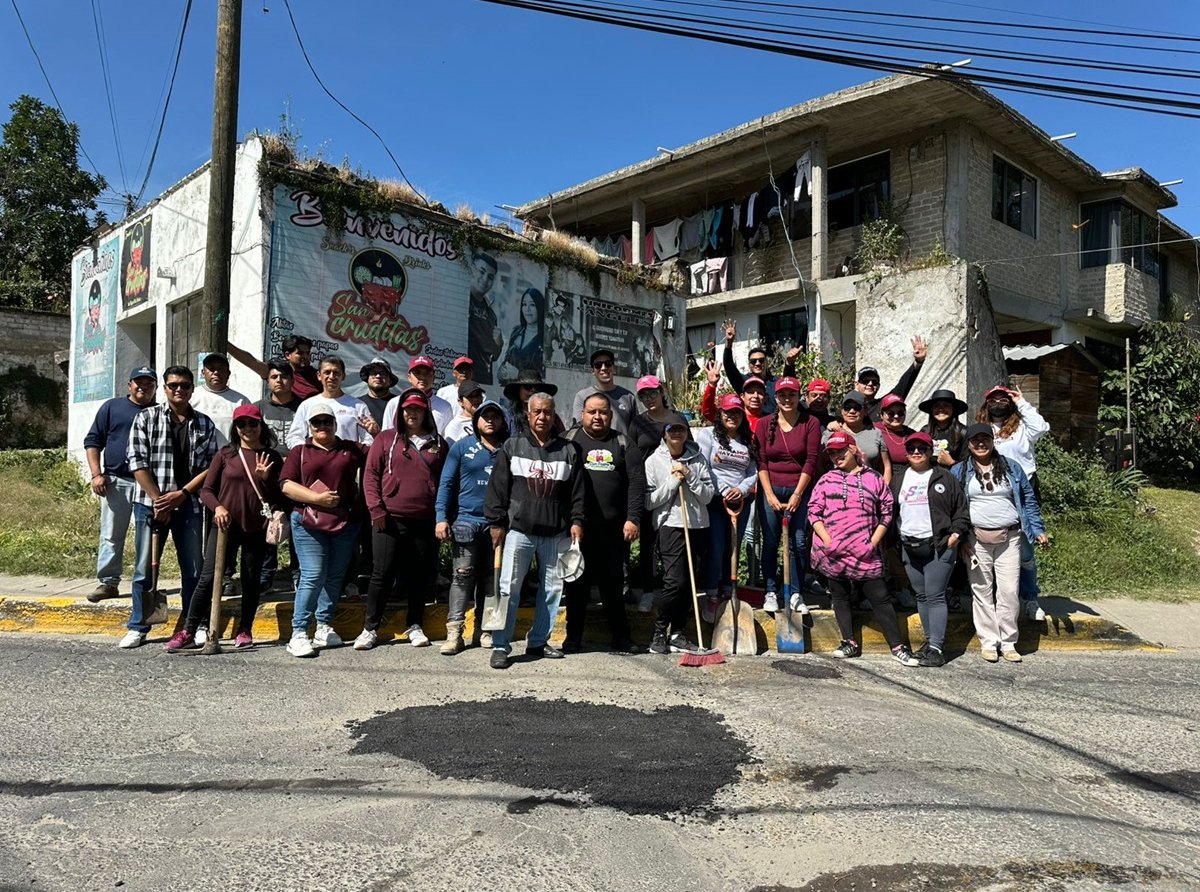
<point x="246" y="422"/>
<point x="178" y="385"/>
<point x="895" y="412"/>
<point x="851" y="407"/>
<point x="322" y="422"/>
<point x="917" y="449"/>
<point x="603" y="364"/>
<point x="757" y="360"/>
<point x="647" y="394"/>
<point x="872" y="382"/>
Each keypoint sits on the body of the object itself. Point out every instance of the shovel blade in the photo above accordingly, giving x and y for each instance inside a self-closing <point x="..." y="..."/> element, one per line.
<point x="154" y="607"/>
<point x="789" y="632"/>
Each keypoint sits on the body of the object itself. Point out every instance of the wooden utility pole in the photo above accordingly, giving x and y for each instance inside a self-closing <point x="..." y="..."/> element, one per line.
<point x="220" y="196"/>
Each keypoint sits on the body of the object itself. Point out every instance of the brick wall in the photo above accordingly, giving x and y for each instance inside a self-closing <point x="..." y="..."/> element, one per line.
<point x="33" y="389"/>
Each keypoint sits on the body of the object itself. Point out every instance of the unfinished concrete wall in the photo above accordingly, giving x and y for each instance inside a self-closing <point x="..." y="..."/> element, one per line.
<point x="33" y="388"/>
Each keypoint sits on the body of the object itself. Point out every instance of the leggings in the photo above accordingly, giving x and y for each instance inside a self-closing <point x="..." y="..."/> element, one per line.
<point x="253" y="548"/>
<point x="404" y="548"/>
<point x="881" y="604"/>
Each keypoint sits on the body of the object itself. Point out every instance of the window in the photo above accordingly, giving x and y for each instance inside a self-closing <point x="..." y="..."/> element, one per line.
<point x="1116" y="232"/>
<point x="859" y="190"/>
<point x="789" y="328"/>
<point x="1014" y="197"/>
<point x="187" y="332"/>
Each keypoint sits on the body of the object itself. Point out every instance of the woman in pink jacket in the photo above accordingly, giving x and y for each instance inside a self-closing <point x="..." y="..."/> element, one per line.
<point x="850" y="509"/>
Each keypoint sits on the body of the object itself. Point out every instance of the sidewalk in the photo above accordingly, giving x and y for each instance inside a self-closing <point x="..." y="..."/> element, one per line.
<point x="41" y="604"/>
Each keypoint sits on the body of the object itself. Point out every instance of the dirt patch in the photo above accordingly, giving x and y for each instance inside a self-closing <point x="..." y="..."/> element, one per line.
<point x="814" y="777"/>
<point x="529" y="803"/>
<point x="810" y="668"/>
<point x="671" y="760"/>
<point x="1015" y="876"/>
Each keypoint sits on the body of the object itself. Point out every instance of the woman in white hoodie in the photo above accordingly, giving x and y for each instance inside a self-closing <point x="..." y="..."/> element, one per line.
<point x="678" y="478"/>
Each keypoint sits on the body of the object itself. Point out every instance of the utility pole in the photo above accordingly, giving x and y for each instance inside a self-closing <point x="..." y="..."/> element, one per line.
<point x="220" y="196"/>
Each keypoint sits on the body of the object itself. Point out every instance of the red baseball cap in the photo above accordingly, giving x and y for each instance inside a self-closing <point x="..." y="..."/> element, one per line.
<point x="420" y="362"/>
<point x="787" y="383"/>
<point x="731" y="402"/>
<point x="1000" y="389"/>
<point x="819" y="385"/>
<point x="247" y="411"/>
<point x="919" y="437"/>
<point x="754" y="379"/>
<point x="838" y="441"/>
<point x="647" y="382"/>
<point x="891" y="399"/>
<point x="415" y="399"/>
<point x="463" y="360"/>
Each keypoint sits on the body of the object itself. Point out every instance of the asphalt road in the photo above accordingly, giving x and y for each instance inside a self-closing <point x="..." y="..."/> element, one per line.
<point x="256" y="771"/>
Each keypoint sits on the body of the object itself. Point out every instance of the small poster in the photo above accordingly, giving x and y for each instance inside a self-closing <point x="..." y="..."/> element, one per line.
<point x="95" y="310"/>
<point x="627" y="331"/>
<point x="135" y="264"/>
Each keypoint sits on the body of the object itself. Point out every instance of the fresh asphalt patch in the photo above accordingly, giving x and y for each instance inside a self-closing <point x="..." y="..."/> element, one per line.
<point x="667" y="761"/>
<point x="808" y="668"/>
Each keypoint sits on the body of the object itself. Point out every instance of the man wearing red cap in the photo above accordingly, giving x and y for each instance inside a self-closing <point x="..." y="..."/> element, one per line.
<point x="420" y="375"/>
<point x="462" y="370"/>
<point x="817" y="401"/>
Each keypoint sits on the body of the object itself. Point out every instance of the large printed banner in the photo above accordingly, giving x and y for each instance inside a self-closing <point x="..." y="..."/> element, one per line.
<point x="95" y="313"/>
<point x="395" y="288"/>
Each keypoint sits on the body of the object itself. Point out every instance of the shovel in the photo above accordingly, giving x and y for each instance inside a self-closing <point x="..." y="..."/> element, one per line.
<point x="154" y="602"/>
<point x="212" y="644"/>
<point x="789" y="634"/>
<point x="735" y="632"/>
<point x="495" y="606"/>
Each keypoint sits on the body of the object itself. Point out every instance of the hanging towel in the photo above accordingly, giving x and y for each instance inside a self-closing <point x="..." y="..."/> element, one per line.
<point x="803" y="176"/>
<point x="691" y="235"/>
<point x="648" y="247"/>
<point x="666" y="239"/>
<point x="715" y="274"/>
<point x="697" y="278"/>
<point x="624" y="249"/>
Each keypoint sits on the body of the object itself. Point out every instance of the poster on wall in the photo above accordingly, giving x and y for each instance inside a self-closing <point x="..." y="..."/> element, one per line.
<point x="629" y="332"/>
<point x="135" y="264"/>
<point x="393" y="287"/>
<point x="95" y="312"/>
<point x="565" y="347"/>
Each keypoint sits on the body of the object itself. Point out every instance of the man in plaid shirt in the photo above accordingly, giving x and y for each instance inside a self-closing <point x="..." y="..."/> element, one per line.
<point x="170" y="448"/>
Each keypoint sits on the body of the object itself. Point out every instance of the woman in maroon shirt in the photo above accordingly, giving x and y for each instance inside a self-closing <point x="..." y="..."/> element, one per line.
<point x="400" y="484"/>
<point x="789" y="442"/>
<point x="248" y="466"/>
<point x="321" y="477"/>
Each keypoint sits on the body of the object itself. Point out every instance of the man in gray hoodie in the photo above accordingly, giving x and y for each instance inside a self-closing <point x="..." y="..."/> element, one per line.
<point x="678" y="479"/>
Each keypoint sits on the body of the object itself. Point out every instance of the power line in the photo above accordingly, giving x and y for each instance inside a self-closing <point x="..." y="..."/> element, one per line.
<point x="344" y="107"/>
<point x="1005" y="80"/>
<point x="108" y="92"/>
<point x="187" y="11"/>
<point x="46" y="77"/>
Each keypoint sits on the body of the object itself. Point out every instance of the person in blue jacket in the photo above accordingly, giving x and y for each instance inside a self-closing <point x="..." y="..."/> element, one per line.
<point x="460" y="519"/>
<point x="1003" y="509"/>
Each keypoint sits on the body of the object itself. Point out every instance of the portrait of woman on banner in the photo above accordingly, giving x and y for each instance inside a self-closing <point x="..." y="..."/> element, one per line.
<point x="525" y="343"/>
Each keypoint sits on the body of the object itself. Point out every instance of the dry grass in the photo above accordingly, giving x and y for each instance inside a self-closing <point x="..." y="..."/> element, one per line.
<point x="569" y="244"/>
<point x="394" y="190"/>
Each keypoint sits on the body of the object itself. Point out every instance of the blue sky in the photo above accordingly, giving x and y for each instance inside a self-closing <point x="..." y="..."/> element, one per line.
<point x="486" y="105"/>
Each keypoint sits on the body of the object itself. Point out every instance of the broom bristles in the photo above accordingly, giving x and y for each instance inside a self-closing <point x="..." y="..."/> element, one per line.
<point x="702" y="658"/>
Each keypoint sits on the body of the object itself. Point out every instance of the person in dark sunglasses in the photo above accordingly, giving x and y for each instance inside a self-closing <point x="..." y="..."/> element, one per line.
<point x="931" y="520"/>
<point x="624" y="403"/>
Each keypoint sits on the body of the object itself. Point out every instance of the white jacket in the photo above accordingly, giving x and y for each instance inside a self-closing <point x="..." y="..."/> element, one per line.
<point x="662" y="487"/>
<point x="1019" y="447"/>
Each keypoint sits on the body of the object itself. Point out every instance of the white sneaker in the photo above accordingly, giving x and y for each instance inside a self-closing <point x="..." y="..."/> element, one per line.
<point x="416" y="637"/>
<point x="133" y="638"/>
<point x="301" y="646"/>
<point x="770" y="602"/>
<point x="485" y="640"/>
<point x="798" y="605"/>
<point x="202" y="635"/>
<point x="326" y="637"/>
<point x="366" y="639"/>
<point x="1033" y="610"/>
<point x="647" y="602"/>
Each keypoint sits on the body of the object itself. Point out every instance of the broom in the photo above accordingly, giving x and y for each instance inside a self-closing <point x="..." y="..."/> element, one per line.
<point x="702" y="656"/>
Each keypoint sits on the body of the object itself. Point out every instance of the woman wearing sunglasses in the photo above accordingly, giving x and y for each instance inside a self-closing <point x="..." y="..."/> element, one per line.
<point x="894" y="431"/>
<point x="856" y="422"/>
<point x="788" y="442"/>
<point x="320" y="476"/>
<point x="932" y="519"/>
<point x="241" y="489"/>
<point x="1002" y="509"/>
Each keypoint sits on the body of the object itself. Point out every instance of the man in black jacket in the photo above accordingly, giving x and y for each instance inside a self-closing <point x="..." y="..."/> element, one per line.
<point x="614" y="491"/>
<point x="867" y="381"/>
<point x="534" y="506"/>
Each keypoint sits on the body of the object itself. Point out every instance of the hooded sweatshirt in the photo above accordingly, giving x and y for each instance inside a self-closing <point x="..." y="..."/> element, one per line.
<point x="851" y="506"/>
<point x="466" y="474"/>
<point x="402" y="473"/>
<point x="536" y="490"/>
<point x="662" y="487"/>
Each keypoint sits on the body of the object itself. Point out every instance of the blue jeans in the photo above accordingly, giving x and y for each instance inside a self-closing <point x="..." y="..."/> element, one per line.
<point x="720" y="548"/>
<point x="184" y="527"/>
<point x="324" y="558"/>
<point x="772" y="533"/>
<point x="929" y="578"/>
<point x="116" y="509"/>
<point x="519" y="550"/>
<point x="1029" y="589"/>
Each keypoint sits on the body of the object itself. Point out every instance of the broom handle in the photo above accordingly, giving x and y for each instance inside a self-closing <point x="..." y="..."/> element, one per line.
<point x="687" y="546"/>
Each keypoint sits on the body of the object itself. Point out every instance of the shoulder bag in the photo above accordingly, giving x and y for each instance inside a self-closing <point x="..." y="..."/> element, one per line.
<point x="279" y="525"/>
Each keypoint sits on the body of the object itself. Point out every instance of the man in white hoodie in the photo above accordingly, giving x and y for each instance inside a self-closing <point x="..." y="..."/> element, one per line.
<point x="678" y="479"/>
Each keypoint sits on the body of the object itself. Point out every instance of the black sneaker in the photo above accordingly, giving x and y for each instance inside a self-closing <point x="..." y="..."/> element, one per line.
<point x="547" y="651"/>
<point x="847" y="650"/>
<point x="679" y="644"/>
<point x="904" y="657"/>
<point x="920" y="651"/>
<point x="625" y="646"/>
<point x="499" y="660"/>
<point x="930" y="656"/>
<point x="659" y="644"/>
<point x="572" y="647"/>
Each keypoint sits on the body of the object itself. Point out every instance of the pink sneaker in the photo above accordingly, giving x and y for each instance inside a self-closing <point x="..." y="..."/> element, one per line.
<point x="181" y="640"/>
<point x="243" y="639"/>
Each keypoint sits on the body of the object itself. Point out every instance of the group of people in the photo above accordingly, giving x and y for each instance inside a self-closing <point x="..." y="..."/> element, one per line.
<point x="526" y="492"/>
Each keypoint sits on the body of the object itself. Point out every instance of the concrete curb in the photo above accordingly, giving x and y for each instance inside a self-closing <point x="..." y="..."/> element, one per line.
<point x="68" y="615"/>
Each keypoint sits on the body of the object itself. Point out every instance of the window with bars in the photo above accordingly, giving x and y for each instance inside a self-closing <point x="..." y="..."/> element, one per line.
<point x="1014" y="197"/>
<point x="789" y="328"/>
<point x="187" y="332"/>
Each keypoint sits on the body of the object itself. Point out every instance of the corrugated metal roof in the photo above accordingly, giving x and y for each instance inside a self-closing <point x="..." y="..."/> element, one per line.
<point x="1037" y="352"/>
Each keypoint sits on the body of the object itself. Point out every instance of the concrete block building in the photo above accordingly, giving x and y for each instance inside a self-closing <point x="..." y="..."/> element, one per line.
<point x="1043" y="247"/>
